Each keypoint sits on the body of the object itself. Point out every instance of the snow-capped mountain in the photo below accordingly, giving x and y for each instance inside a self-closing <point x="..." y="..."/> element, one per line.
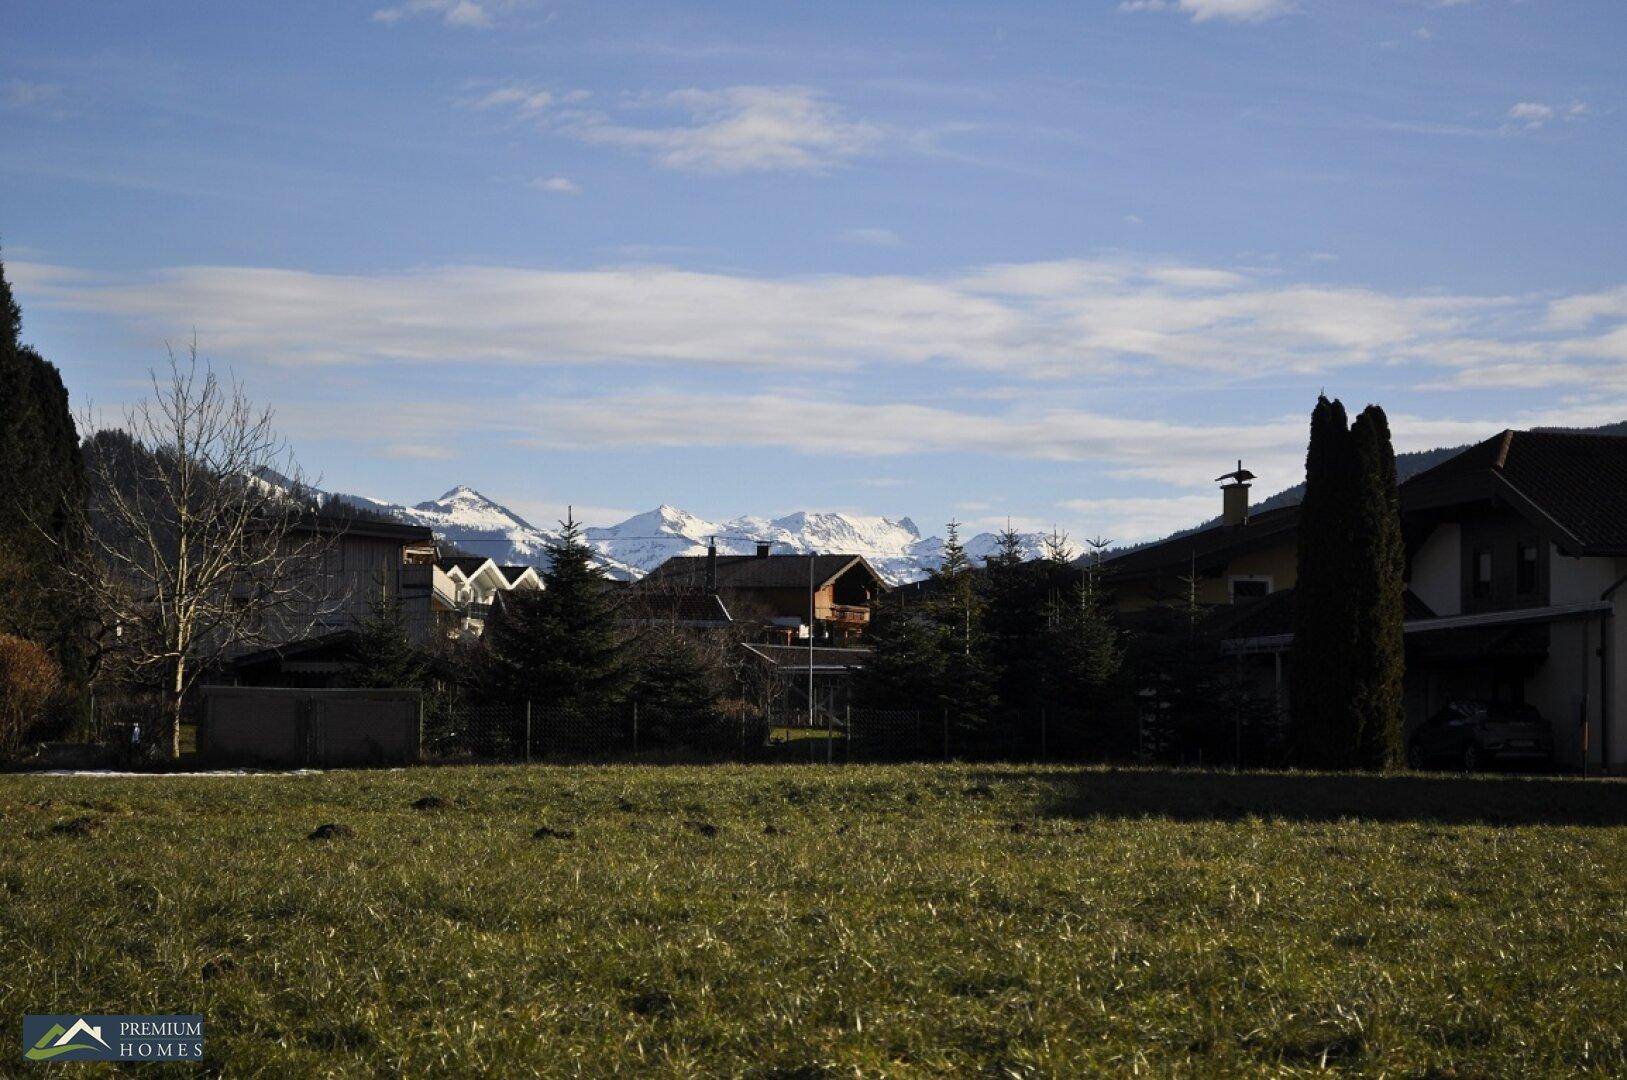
<point x="895" y="547"/>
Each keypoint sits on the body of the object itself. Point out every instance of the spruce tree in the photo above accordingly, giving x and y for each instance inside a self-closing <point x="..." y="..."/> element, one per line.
<point x="1014" y="617"/>
<point x="905" y="669"/>
<point x="385" y="657"/>
<point x="559" y="647"/>
<point x="1326" y="714"/>
<point x="1378" y="588"/>
<point x="676" y="683"/>
<point x="42" y="490"/>
<point x="1082" y="661"/>
<point x="966" y="694"/>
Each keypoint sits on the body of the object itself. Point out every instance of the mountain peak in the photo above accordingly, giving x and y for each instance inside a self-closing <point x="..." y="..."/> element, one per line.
<point x="463" y="493"/>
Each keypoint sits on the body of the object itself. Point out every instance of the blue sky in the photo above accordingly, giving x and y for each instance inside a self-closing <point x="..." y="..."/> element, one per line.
<point x="1060" y="263"/>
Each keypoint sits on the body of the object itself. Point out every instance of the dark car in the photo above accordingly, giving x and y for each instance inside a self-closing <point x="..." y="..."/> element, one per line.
<point x="1475" y="734"/>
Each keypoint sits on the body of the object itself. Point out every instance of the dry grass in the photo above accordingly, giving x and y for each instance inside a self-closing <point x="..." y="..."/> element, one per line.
<point x="797" y="921"/>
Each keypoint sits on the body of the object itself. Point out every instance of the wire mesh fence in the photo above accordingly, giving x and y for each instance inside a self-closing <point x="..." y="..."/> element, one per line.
<point x="512" y="731"/>
<point x="136" y="731"/>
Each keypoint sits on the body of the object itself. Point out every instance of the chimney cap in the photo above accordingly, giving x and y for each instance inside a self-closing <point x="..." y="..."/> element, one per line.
<point x="763" y="547"/>
<point x="1241" y="476"/>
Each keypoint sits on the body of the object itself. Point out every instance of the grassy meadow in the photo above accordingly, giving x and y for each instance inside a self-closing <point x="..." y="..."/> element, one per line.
<point x="805" y="921"/>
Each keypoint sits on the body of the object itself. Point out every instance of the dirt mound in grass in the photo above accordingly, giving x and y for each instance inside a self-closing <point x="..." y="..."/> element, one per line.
<point x="331" y="830"/>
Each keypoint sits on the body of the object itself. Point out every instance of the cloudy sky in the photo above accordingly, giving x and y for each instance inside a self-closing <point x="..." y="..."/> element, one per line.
<point x="1057" y="263"/>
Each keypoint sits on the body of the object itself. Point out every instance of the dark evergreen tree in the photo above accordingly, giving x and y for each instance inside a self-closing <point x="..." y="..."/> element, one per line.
<point x="966" y="695"/>
<point x="676" y="684"/>
<point x="1083" y="660"/>
<point x="385" y="656"/>
<point x="905" y="668"/>
<point x="559" y="647"/>
<point x="1326" y="713"/>
<point x="1013" y="601"/>
<point x="42" y="492"/>
<point x="1378" y="588"/>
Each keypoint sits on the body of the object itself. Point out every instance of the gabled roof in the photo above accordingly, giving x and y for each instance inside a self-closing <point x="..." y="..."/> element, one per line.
<point x="1208" y="549"/>
<point x="468" y="565"/>
<point x="1573" y="485"/>
<point x="515" y="573"/>
<point x="761" y="571"/>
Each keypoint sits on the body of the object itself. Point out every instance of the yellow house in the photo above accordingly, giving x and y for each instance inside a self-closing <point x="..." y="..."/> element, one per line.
<point x="1241" y="557"/>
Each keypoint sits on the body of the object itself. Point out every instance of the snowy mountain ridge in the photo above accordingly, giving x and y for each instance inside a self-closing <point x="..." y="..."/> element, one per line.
<point x="470" y="521"/>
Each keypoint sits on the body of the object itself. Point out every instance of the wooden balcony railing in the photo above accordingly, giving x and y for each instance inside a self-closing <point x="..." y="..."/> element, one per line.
<point x="849" y="613"/>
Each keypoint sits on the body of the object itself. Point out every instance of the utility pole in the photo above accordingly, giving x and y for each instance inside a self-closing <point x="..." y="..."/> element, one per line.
<point x="812" y="555"/>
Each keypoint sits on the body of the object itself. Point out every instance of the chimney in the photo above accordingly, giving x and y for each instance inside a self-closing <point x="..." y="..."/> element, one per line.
<point x="711" y="565"/>
<point x="762" y="548"/>
<point x="1234" y="496"/>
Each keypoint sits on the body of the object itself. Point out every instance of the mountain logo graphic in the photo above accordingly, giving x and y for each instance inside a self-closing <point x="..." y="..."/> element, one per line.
<point x="59" y="1040"/>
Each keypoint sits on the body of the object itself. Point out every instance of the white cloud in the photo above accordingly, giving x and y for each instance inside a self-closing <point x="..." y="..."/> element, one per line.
<point x="872" y="237"/>
<point x="741" y="129"/>
<point x="1080" y="318"/>
<point x="467" y="14"/>
<point x="525" y="101"/>
<point x="1130" y="520"/>
<point x="1205" y="10"/>
<point x="557" y="185"/>
<point x="1530" y="114"/>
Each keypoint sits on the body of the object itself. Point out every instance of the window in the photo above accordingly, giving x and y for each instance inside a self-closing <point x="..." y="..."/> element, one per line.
<point x="1481" y="586"/>
<point x="1250" y="588"/>
<point x="1525" y="568"/>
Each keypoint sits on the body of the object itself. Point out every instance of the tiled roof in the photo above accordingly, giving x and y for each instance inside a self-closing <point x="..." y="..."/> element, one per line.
<point x="1577" y="481"/>
<point x="757" y="572"/>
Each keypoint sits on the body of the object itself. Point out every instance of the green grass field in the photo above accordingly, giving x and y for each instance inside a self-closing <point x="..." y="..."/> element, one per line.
<point x="808" y="921"/>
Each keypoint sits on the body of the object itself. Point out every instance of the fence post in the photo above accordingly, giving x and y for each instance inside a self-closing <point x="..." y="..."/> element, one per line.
<point x="1043" y="756"/>
<point x="847" y="737"/>
<point x="635" y="728"/>
<point x="528" y="731"/>
<point x="946" y="734"/>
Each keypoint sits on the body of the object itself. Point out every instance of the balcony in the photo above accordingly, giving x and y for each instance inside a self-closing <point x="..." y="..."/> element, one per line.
<point x="848" y="614"/>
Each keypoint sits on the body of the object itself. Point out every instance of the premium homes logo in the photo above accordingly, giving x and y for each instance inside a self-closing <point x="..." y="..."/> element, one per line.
<point x="113" y="1038"/>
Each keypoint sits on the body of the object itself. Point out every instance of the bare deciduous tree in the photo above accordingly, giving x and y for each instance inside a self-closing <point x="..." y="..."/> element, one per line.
<point x="193" y="553"/>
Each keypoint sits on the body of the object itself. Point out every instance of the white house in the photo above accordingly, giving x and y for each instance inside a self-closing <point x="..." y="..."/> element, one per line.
<point x="467" y="585"/>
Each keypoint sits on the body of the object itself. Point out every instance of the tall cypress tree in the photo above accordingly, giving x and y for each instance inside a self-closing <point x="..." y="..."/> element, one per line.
<point x="1377" y="588"/>
<point x="1326" y="717"/>
<point x="42" y="488"/>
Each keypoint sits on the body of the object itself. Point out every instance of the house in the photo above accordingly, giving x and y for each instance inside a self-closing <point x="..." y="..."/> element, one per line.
<point x="1516" y="561"/>
<point x="366" y="559"/>
<point x="791" y="596"/>
<point x="1519" y="546"/>
<point x="466" y="586"/>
